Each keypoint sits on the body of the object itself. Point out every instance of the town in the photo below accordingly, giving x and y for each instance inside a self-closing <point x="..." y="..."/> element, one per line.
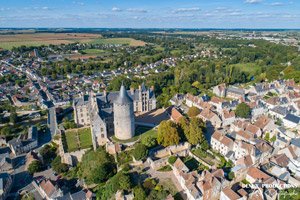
<point x="217" y="121"/>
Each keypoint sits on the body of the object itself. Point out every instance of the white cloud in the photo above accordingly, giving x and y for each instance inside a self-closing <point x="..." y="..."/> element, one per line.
<point x="78" y="3"/>
<point x="235" y="13"/>
<point x="116" y="9"/>
<point x="277" y="4"/>
<point x="136" y="10"/>
<point x="185" y="10"/>
<point x="252" y="1"/>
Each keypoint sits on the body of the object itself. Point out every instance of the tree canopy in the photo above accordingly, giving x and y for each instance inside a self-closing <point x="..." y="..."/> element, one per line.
<point x="140" y="152"/>
<point x="243" y="110"/>
<point x="193" y="111"/>
<point x="167" y="133"/>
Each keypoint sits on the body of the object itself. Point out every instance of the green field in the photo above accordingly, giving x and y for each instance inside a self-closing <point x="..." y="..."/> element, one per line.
<point x="93" y="51"/>
<point x="85" y="138"/>
<point x="109" y="41"/>
<point x="251" y="68"/>
<point x="71" y="138"/>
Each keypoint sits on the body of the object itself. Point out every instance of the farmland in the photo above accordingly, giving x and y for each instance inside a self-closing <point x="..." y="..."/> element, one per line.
<point x="38" y="39"/>
<point x="129" y="41"/>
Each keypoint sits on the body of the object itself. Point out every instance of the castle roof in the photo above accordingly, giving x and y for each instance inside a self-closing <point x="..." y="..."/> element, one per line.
<point x="123" y="97"/>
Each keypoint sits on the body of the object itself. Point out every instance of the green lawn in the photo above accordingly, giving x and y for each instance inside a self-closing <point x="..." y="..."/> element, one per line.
<point x="191" y="163"/>
<point x="93" y="51"/>
<point x="71" y="141"/>
<point x="85" y="138"/>
<point x="251" y="68"/>
<point x="140" y="133"/>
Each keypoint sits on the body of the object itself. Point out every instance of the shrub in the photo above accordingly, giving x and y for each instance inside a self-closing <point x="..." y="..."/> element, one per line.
<point x="172" y="160"/>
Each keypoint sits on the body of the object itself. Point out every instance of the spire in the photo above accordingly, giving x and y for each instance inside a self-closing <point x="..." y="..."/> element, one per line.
<point x="143" y="87"/>
<point x="123" y="97"/>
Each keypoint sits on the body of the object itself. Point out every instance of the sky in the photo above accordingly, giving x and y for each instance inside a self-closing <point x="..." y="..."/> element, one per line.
<point x="280" y="14"/>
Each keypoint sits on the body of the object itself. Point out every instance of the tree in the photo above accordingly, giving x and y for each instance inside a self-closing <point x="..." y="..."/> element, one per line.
<point x="58" y="166"/>
<point x="149" y="141"/>
<point x="243" y="110"/>
<point x="5" y="131"/>
<point x="267" y="136"/>
<point x="102" y="173"/>
<point x="193" y="111"/>
<point x="205" y="145"/>
<point x="139" y="193"/>
<point x="140" y="152"/>
<point x="195" y="134"/>
<point x="125" y="182"/>
<point x="167" y="133"/>
<point x="13" y="115"/>
<point x="172" y="159"/>
<point x="231" y="175"/>
<point x="273" y="139"/>
<point x="34" y="167"/>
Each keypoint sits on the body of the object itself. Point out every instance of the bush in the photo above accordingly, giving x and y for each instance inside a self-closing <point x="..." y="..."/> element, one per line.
<point x="231" y="176"/>
<point x="140" y="152"/>
<point x="172" y="160"/>
<point x="59" y="167"/>
<point x="34" y="167"/>
<point x="193" y="111"/>
<point x="243" y="110"/>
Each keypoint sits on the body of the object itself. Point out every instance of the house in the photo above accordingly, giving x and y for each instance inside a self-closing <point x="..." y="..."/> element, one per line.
<point x="6" y="183"/>
<point x="287" y="134"/>
<point x="291" y="121"/>
<point x="177" y="99"/>
<point x="211" y="118"/>
<point x="220" y="143"/>
<point x="236" y="93"/>
<point x="278" y="112"/>
<point x="228" y="117"/>
<point x="49" y="190"/>
<point x="80" y="195"/>
<point x="280" y="159"/>
<point x="210" y="183"/>
<point x="295" y="144"/>
<point x="289" y="152"/>
<point x="174" y="114"/>
<point x="243" y="135"/>
<point x="253" y="175"/>
<point x="242" y="149"/>
<point x="19" y="145"/>
<point x="220" y="90"/>
<point x="229" y="194"/>
<point x="265" y="124"/>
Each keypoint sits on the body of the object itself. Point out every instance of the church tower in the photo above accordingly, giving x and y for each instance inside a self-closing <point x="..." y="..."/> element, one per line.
<point x="123" y="116"/>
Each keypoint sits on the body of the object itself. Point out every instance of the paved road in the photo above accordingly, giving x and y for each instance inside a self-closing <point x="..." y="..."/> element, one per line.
<point x="52" y="121"/>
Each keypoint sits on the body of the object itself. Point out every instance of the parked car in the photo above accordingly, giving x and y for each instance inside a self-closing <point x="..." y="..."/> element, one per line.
<point x="58" y="177"/>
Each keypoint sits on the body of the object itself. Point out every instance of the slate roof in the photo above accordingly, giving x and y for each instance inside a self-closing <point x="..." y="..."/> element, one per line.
<point x="292" y="118"/>
<point x="280" y="110"/>
<point x="123" y="97"/>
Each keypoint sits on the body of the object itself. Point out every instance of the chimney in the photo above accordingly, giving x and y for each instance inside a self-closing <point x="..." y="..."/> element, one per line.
<point x="132" y="91"/>
<point x="140" y="87"/>
<point x="104" y="92"/>
<point x="152" y="88"/>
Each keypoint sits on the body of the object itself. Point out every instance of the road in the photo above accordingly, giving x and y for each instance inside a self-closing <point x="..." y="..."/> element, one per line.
<point x="52" y="123"/>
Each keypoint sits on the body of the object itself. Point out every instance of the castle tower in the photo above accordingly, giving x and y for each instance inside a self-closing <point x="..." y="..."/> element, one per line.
<point x="123" y="116"/>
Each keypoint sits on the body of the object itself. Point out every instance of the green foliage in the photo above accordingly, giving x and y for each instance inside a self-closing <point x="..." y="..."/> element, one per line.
<point x="231" y="175"/>
<point x="243" y="110"/>
<point x="140" y="152"/>
<point x="172" y="160"/>
<point x="193" y="111"/>
<point x="204" y="145"/>
<point x="273" y="139"/>
<point x="139" y="193"/>
<point x="166" y="168"/>
<point x="92" y="160"/>
<point x="124" y="182"/>
<point x="49" y="153"/>
<point x="167" y="133"/>
<point x="59" y="167"/>
<point x="195" y="134"/>
<point x="34" y="166"/>
<point x="267" y="136"/>
<point x="149" y="141"/>
<point x="124" y="157"/>
<point x="5" y="131"/>
<point x="13" y="115"/>
<point x="102" y="173"/>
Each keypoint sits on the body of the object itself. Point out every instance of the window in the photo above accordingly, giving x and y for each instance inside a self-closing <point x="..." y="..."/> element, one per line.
<point x="101" y="129"/>
<point x="81" y="114"/>
<point x="102" y="135"/>
<point x="82" y="120"/>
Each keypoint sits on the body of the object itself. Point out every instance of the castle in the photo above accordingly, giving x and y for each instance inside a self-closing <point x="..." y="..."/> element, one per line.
<point x="109" y="113"/>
